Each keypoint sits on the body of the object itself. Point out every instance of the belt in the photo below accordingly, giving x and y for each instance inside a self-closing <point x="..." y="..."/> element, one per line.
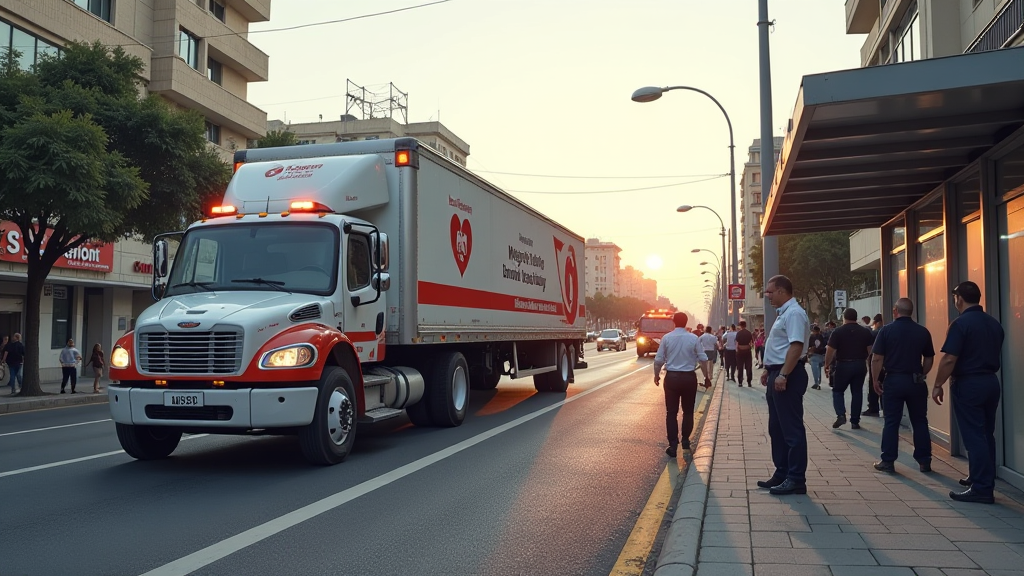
<point x="771" y="367"/>
<point x="974" y="374"/>
<point x="680" y="371"/>
<point x="864" y="360"/>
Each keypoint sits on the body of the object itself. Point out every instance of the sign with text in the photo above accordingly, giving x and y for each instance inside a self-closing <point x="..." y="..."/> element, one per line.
<point x="840" y="298"/>
<point x="96" y="256"/>
<point x="737" y="292"/>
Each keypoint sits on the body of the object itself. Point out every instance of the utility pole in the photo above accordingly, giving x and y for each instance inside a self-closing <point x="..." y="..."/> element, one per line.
<point x="769" y="244"/>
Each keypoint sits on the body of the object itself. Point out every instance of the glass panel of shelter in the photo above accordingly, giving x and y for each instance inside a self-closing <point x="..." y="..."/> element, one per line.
<point x="932" y="287"/>
<point x="1010" y="214"/>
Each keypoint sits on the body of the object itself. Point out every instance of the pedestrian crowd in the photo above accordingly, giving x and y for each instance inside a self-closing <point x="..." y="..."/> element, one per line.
<point x="893" y="359"/>
<point x="12" y="360"/>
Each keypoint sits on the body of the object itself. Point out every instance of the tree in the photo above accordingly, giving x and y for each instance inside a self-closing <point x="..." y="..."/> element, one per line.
<point x="818" y="264"/>
<point x="277" y="138"/>
<point x="86" y="158"/>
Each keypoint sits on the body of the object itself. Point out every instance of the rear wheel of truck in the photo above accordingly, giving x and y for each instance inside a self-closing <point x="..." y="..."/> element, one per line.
<point x="480" y="378"/>
<point x="558" y="381"/>
<point x="329" y="437"/>
<point x="447" y="393"/>
<point x="148" y="442"/>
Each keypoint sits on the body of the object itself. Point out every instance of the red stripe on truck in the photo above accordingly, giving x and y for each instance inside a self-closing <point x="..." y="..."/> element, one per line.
<point x="456" y="296"/>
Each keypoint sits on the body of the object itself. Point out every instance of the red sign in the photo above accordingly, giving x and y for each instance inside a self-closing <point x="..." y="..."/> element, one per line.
<point x="98" y="256"/>
<point x="737" y="292"/>
<point x="142" y="267"/>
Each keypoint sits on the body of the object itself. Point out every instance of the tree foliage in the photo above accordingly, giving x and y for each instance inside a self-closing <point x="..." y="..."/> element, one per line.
<point x="818" y="264"/>
<point x="607" y="311"/>
<point x="276" y="138"/>
<point x="86" y="157"/>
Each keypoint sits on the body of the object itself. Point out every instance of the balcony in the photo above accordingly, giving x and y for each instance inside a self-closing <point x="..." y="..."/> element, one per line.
<point x="861" y="15"/>
<point x="865" y="250"/>
<point x="225" y="44"/>
<point x="178" y="82"/>
<point x="252" y="10"/>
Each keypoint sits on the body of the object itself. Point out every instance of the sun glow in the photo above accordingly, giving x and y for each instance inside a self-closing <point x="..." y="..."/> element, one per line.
<point x="654" y="262"/>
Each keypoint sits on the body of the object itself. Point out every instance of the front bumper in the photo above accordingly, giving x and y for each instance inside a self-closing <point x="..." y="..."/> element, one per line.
<point x="244" y="408"/>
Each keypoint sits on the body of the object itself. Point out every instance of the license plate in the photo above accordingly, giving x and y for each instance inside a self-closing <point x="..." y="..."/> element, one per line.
<point x="183" y="399"/>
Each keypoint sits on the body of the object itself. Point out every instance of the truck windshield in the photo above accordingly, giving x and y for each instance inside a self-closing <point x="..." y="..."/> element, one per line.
<point x="291" y="257"/>
<point x="656" y="325"/>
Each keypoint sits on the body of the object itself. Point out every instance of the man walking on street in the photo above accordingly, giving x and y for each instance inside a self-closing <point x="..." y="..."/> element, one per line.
<point x="729" y="349"/>
<point x="744" y="354"/>
<point x="680" y="354"/>
<point x="786" y="381"/>
<point x="14" y="356"/>
<point x="904" y="349"/>
<point x="69" y="359"/>
<point x="710" y="344"/>
<point x="970" y="355"/>
<point x="849" y="346"/>
<point x="816" y="354"/>
<point x="874" y="400"/>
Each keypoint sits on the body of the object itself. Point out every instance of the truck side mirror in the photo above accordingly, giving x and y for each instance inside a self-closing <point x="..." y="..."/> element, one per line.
<point x="160" y="264"/>
<point x="381" y="252"/>
<point x="381" y="281"/>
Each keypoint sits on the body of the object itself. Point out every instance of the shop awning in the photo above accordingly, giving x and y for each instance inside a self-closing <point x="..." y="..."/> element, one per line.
<point x="865" y="144"/>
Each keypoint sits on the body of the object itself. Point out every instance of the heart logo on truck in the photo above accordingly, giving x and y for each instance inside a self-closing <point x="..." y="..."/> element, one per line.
<point x="568" y="279"/>
<point x="462" y="242"/>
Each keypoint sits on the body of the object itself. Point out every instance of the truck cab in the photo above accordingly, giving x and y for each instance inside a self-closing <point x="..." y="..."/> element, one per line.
<point x="651" y="328"/>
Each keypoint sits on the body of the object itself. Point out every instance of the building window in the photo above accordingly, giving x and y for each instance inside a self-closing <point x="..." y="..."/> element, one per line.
<point x="213" y="132"/>
<point x="217" y="9"/>
<point x="188" y="48"/>
<point x="755" y="157"/>
<point x="215" y="71"/>
<point x="756" y="198"/>
<point x="100" y="8"/>
<point x="907" y="37"/>
<point x="755" y="177"/>
<point x="60" y="330"/>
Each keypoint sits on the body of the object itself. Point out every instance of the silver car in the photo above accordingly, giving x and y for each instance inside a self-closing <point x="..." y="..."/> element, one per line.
<point x="611" y="339"/>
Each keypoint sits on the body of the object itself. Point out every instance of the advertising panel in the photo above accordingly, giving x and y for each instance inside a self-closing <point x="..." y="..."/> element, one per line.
<point x="96" y="256"/>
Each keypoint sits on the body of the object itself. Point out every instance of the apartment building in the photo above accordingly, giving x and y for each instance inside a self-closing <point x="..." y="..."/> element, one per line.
<point x="603" y="263"/>
<point x="751" y="212"/>
<point x="197" y="56"/>
<point x="922" y="150"/>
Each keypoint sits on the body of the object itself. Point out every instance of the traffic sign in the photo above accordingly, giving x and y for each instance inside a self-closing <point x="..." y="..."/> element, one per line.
<point x="840" y="298"/>
<point x="737" y="292"/>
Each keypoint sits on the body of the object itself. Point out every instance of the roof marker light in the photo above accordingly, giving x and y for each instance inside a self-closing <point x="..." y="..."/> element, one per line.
<point x="402" y="158"/>
<point x="222" y="210"/>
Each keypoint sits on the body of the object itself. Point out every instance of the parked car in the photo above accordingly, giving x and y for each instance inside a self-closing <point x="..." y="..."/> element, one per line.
<point x="631" y="335"/>
<point x="611" y="339"/>
<point x="592" y="336"/>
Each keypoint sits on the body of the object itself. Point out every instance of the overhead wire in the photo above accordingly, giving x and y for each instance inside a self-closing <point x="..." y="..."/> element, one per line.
<point x="618" y="191"/>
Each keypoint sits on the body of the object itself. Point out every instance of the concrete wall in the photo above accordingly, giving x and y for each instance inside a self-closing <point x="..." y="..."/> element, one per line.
<point x="865" y="249"/>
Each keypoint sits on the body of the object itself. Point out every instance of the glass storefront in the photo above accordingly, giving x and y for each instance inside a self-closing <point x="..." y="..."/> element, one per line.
<point x="932" y="305"/>
<point x="1010" y="174"/>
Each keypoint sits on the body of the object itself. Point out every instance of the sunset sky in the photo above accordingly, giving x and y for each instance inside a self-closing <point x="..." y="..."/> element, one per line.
<point x="540" y="89"/>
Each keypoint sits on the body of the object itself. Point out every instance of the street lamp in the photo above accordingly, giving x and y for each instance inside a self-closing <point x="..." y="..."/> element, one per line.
<point x="652" y="93"/>
<point x="735" y="277"/>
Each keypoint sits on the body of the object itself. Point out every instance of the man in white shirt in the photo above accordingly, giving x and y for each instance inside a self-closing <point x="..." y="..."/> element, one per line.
<point x="729" y="347"/>
<point x="710" y="344"/>
<point x="786" y="380"/>
<point x="69" y="359"/>
<point x="680" y="354"/>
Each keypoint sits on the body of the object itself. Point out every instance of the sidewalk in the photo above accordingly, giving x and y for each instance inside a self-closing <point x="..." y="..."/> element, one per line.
<point x="853" y="521"/>
<point x="53" y="397"/>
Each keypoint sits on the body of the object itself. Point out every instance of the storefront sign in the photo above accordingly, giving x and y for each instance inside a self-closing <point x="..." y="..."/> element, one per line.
<point x="97" y="256"/>
<point x="142" y="267"/>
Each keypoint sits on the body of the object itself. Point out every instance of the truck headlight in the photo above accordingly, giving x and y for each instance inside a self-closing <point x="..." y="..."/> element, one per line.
<point x="119" y="357"/>
<point x="289" y="357"/>
<point x="641" y="340"/>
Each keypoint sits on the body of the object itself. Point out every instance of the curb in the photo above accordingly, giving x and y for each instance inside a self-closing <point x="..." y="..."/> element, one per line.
<point x="679" y="551"/>
<point x="44" y="402"/>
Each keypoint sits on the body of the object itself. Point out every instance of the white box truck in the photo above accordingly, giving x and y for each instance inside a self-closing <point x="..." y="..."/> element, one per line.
<point x="342" y="284"/>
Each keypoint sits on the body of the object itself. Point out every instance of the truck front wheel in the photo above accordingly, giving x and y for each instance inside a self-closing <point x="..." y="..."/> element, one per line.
<point x="328" y="439"/>
<point x="447" y="393"/>
<point x="147" y="442"/>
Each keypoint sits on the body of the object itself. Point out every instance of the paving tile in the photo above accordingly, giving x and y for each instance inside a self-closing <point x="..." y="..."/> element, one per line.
<point x="907" y="542"/>
<point x="790" y="570"/>
<point x="871" y="571"/>
<point x="819" y="540"/>
<point x="1006" y="535"/>
<point x="740" y="539"/>
<point x="731" y="555"/>
<point x="938" y="559"/>
<point x="779" y="524"/>
<point x="771" y="539"/>
<point x="721" y="569"/>
<point x="823" y="556"/>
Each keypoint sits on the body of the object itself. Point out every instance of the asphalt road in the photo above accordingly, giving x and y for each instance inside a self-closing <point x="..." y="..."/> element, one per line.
<point x="530" y="484"/>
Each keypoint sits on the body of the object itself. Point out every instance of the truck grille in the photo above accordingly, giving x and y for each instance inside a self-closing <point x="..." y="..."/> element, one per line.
<point x="156" y="412"/>
<point x="214" y="352"/>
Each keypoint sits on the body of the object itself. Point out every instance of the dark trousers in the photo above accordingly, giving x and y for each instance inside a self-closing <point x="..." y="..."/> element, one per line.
<point x="786" y="424"/>
<point x="67" y="373"/>
<point x="975" y="400"/>
<point x="759" y="353"/>
<point x="680" y="392"/>
<point x="744" y="360"/>
<point x="900" y="389"/>
<point x="730" y="364"/>
<point x="849" y="375"/>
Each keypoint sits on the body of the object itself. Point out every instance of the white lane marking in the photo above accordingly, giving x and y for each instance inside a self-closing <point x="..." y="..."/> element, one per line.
<point x="53" y="427"/>
<point x="77" y="460"/>
<point x="224" y="548"/>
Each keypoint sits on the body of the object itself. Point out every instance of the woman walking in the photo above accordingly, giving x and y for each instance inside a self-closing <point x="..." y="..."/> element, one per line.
<point x="97" y="364"/>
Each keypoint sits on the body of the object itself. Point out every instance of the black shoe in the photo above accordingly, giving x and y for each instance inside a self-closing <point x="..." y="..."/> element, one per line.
<point x="788" y="487"/>
<point x="686" y="445"/>
<point x="61" y="390"/>
<point x="870" y="413"/>
<point x="770" y="483"/>
<point x="73" y="392"/>
<point x="855" y="425"/>
<point x="840" y="420"/>
<point x="970" y="495"/>
<point x="671" y="451"/>
<point x="816" y="387"/>
<point x="925" y="467"/>
<point x="749" y="385"/>
<point x="883" y="466"/>
<point x="966" y="482"/>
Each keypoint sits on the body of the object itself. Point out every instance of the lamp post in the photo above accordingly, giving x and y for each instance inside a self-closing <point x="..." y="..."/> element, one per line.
<point x="652" y="93"/>
<point x="735" y="277"/>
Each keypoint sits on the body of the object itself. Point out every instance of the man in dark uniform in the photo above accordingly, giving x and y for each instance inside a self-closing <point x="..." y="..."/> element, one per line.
<point x="971" y="353"/>
<point x="904" y="349"/>
<point x="744" y="354"/>
<point x="874" y="400"/>
<point x="849" y="347"/>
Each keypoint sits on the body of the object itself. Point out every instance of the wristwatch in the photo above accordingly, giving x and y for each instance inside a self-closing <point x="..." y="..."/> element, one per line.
<point x="783" y="376"/>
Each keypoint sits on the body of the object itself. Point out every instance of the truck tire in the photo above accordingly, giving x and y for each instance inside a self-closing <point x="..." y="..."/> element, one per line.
<point x="147" y="442"/>
<point x="328" y="439"/>
<point x="419" y="413"/>
<point x="480" y="378"/>
<point x="447" y="393"/>
<point x="558" y="381"/>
